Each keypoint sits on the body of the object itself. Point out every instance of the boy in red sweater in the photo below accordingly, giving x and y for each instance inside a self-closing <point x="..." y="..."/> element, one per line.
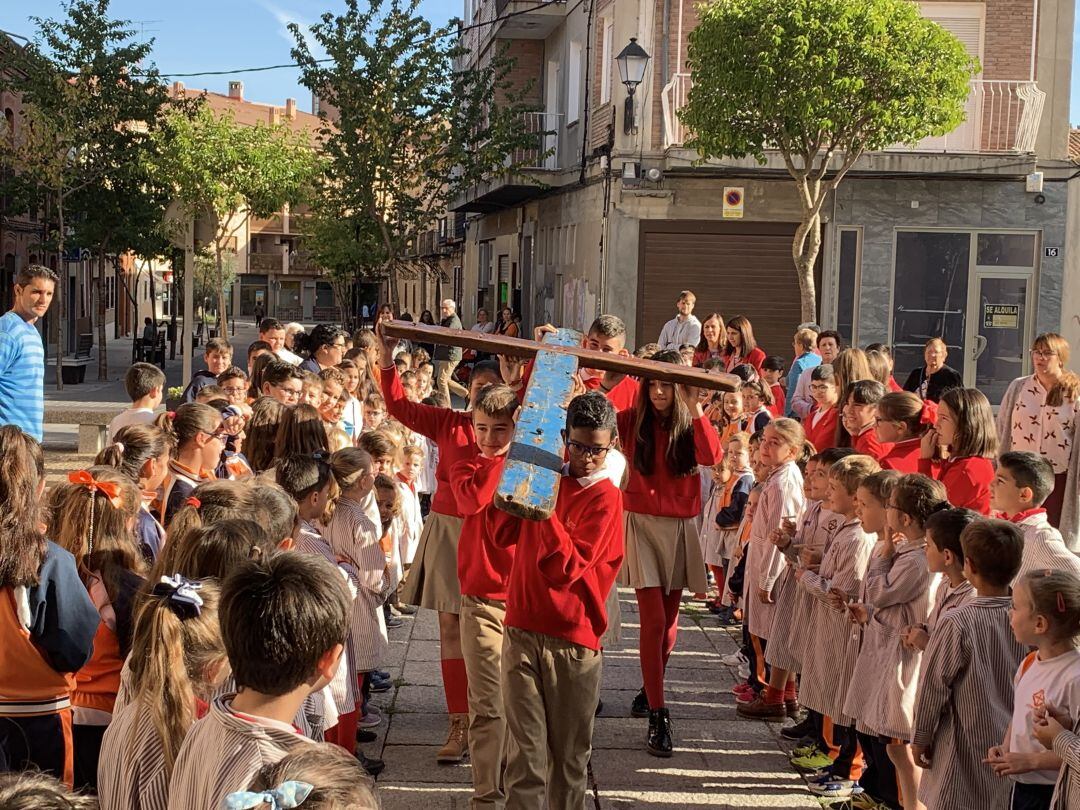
<point x="563" y="571"/>
<point x="484" y="563"/>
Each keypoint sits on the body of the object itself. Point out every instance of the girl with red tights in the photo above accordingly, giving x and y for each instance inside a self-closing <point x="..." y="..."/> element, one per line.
<point x="666" y="435"/>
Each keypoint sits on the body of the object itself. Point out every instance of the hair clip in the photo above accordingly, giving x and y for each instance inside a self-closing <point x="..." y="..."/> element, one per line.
<point x="182" y="595"/>
<point x="171" y="415"/>
<point x="284" y="797"/>
<point x="928" y="414"/>
<point x="119" y="447"/>
<point x="193" y="502"/>
<point x="1060" y="602"/>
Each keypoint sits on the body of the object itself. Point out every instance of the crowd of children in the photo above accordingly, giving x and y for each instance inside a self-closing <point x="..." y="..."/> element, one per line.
<point x="200" y="618"/>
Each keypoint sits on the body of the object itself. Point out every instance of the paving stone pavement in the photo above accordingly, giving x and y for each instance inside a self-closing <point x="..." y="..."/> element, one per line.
<point x="721" y="761"/>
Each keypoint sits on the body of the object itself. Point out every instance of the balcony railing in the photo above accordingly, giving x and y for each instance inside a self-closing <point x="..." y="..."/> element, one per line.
<point x="1001" y="117"/>
<point x="544" y="131"/>
<point x="271" y="224"/>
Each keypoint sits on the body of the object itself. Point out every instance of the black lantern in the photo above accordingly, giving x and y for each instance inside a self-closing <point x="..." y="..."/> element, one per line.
<point x="632" y="60"/>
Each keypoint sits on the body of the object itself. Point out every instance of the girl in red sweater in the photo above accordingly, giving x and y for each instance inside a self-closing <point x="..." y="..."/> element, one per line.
<point x="821" y="422"/>
<point x="857" y="419"/>
<point x="741" y="347"/>
<point x="902" y="420"/>
<point x="967" y="439"/>
<point x="666" y="436"/>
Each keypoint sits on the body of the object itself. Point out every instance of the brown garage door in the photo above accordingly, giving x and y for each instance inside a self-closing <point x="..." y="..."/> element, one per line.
<point x="740" y="268"/>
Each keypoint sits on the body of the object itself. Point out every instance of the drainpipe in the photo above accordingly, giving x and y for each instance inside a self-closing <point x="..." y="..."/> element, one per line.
<point x="1034" y="34"/>
<point x="664" y="45"/>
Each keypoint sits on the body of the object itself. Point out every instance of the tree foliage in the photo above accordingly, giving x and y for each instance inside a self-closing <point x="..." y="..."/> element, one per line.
<point x="405" y="133"/>
<point x="822" y="82"/>
<point x="221" y="171"/>
<point x="90" y="104"/>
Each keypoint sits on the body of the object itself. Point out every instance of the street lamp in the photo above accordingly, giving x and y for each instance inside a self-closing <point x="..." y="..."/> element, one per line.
<point x="632" y="60"/>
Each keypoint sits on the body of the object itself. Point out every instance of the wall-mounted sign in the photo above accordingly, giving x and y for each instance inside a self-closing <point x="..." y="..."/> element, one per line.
<point x="1001" y="316"/>
<point x="733" y="202"/>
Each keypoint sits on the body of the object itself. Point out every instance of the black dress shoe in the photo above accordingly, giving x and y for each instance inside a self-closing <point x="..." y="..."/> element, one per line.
<point x="640" y="706"/>
<point x="363" y="735"/>
<point x="659" y="741"/>
<point x="393" y="621"/>
<point x="373" y="766"/>
<point x="405" y="610"/>
<point x="796" y="732"/>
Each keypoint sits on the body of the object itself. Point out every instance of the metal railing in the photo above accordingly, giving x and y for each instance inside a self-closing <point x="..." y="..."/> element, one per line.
<point x="265" y="262"/>
<point x="544" y="127"/>
<point x="1002" y="116"/>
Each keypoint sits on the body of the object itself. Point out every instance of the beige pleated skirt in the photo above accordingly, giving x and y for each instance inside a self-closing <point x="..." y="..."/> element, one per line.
<point x="663" y="552"/>
<point x="432" y="582"/>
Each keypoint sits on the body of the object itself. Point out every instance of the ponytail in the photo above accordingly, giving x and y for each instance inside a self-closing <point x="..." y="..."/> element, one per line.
<point x="210" y="503"/>
<point x="176" y="647"/>
<point x="22" y="467"/>
<point x="133" y="446"/>
<point x="188" y="420"/>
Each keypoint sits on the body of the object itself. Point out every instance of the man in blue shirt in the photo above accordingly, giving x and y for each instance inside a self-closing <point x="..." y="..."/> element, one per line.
<point x="22" y="355"/>
<point x="806" y="358"/>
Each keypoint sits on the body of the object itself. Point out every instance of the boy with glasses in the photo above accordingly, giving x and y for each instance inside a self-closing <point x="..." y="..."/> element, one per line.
<point x="284" y="382"/>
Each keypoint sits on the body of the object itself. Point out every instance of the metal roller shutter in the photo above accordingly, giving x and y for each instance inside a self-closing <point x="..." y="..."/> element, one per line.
<point x="734" y="268"/>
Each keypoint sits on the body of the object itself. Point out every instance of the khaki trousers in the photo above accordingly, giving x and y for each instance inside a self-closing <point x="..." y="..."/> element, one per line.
<point x="445" y="382"/>
<point x="481" y="645"/>
<point x="551" y="687"/>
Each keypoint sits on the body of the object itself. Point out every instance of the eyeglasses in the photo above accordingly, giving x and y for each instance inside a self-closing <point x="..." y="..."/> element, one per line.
<point x="290" y="393"/>
<point x="587" y="450"/>
<point x="1043" y="354"/>
<point x="234" y="392"/>
<point x="338" y="345"/>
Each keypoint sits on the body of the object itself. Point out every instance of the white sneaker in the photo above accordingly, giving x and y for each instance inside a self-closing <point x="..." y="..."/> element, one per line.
<point x="744" y="670"/>
<point x="735" y="659"/>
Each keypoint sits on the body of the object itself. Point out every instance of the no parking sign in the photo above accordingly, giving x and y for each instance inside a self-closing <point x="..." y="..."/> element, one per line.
<point x="733" y="202"/>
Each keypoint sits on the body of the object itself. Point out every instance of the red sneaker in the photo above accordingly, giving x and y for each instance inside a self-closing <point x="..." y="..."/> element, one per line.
<point x="741" y="688"/>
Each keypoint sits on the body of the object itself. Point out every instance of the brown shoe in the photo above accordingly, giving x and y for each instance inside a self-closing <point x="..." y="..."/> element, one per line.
<point x="457" y="741"/>
<point x="758" y="709"/>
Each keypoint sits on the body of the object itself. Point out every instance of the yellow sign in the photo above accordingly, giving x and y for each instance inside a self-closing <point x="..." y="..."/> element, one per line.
<point x="1001" y="316"/>
<point x="733" y="202"/>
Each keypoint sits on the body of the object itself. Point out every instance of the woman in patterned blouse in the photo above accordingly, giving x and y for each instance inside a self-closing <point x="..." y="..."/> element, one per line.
<point x="1038" y="414"/>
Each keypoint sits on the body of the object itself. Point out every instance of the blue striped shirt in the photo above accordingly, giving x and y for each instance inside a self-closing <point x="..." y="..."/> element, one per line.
<point x="22" y="375"/>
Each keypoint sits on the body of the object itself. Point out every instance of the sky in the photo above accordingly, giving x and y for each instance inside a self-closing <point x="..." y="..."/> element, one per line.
<point x="201" y="35"/>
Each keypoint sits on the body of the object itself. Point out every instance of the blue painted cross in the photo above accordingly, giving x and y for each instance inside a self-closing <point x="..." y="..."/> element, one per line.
<point x="529" y="485"/>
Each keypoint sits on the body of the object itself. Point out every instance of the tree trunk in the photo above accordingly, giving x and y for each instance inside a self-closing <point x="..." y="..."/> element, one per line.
<point x="804" y="250"/>
<point x="61" y="293"/>
<point x="221" y="319"/>
<point x="99" y="290"/>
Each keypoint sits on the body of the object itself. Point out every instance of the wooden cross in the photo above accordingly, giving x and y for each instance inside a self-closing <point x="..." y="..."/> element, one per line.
<point x="529" y="486"/>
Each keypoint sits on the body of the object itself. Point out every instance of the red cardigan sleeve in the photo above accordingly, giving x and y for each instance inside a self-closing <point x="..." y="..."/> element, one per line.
<point x="707" y="449"/>
<point x="427" y="420"/>
<point x="474" y="481"/>
<point x="566" y="554"/>
<point x="756" y="358"/>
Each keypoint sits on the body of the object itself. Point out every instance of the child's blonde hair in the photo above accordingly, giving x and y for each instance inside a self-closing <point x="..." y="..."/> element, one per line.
<point x="1055" y="595"/>
<point x="336" y="781"/>
<point x="31" y="790"/>
<point x="176" y="647"/>
<point x="350" y="465"/>
<point x="496" y="401"/>
<point x="852" y="470"/>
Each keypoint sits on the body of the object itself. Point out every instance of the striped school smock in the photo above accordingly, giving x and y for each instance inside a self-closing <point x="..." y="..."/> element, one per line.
<point x="1067" y="747"/>
<point x="131" y="770"/>
<point x="800" y="640"/>
<point x="897" y="590"/>
<point x="947" y="598"/>
<point x="834" y="640"/>
<point x="786" y="647"/>
<point x="221" y="754"/>
<point x="964" y="702"/>
<point x="781" y="497"/>
<point x="343" y="688"/>
<point x="353" y="536"/>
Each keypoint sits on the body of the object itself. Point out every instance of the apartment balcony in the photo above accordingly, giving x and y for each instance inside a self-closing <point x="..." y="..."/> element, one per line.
<point x="1002" y="117"/>
<point x="271" y="224"/>
<point x="540" y="155"/>
<point x="533" y="19"/>
<point x="266" y="263"/>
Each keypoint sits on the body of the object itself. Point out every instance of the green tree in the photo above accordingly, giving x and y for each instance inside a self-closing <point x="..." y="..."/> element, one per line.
<point x="410" y="131"/>
<point x="821" y="82"/>
<point x="90" y="104"/>
<point x="222" y="171"/>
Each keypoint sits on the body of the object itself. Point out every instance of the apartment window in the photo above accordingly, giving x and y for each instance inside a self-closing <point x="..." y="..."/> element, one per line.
<point x="847" y="283"/>
<point x="605" y="60"/>
<point x="573" y="86"/>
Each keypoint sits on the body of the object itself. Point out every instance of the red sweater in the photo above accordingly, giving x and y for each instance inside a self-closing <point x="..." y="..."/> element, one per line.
<point x="663" y="493"/>
<point x="483" y="566"/>
<point x="823" y="434"/>
<point x="893" y="386"/>
<point x="967" y="480"/>
<point x="622" y="396"/>
<point x="903" y="456"/>
<point x="755" y="359"/>
<point x="779" y="401"/>
<point x="868" y="444"/>
<point x="451" y="430"/>
<point x="566" y="565"/>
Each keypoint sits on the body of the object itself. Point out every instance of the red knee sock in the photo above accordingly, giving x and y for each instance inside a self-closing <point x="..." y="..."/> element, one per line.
<point x="773" y="696"/>
<point x="344" y="733"/>
<point x="455" y="685"/>
<point x="790" y="691"/>
<point x="672" y="600"/>
<point x="651" y="643"/>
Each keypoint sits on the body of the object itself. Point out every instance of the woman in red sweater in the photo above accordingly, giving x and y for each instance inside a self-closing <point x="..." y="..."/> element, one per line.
<point x="711" y="345"/>
<point x="666" y="436"/>
<point x="857" y="419"/>
<point x="967" y="435"/>
<point x="902" y="420"/>
<point x="821" y="422"/>
<point x="741" y="347"/>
